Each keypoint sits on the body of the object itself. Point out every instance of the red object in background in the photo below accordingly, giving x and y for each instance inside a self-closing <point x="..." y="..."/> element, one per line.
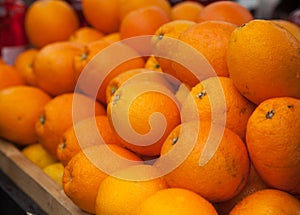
<point x="12" y="33"/>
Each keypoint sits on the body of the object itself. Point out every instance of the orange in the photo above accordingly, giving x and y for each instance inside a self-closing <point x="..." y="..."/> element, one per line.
<point x="231" y="105"/>
<point x="263" y="61"/>
<point x="151" y="112"/>
<point x="84" y="134"/>
<point x="102" y="14"/>
<point x="267" y="201"/>
<point x="211" y="39"/>
<point x="175" y="201"/>
<point x="24" y="64"/>
<point x="84" y="173"/>
<point x="228" y="11"/>
<point x="152" y="64"/>
<point x="9" y="76"/>
<point x="126" y="6"/>
<point x="49" y="21"/>
<point x="272" y="138"/>
<point x="59" y="114"/>
<point x="20" y="108"/>
<point x="86" y="34"/>
<point x="218" y="172"/>
<point x="163" y="45"/>
<point x="186" y="10"/>
<point x="143" y="21"/>
<point x="53" y="67"/>
<point x="107" y="63"/>
<point x="112" y="37"/>
<point x="254" y="183"/>
<point x="290" y="26"/>
<point x="123" y="192"/>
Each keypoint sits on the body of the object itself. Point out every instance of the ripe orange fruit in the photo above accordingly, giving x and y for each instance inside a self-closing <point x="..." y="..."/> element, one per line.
<point x="254" y="183"/>
<point x="9" y="76"/>
<point x="24" y="64"/>
<point x="231" y="105"/>
<point x="59" y="114"/>
<point x="42" y="30"/>
<point x="20" y="107"/>
<point x="290" y="26"/>
<point x="143" y="21"/>
<point x="272" y="138"/>
<point x="186" y="10"/>
<point x="110" y="61"/>
<point x="112" y="37"/>
<point x="126" y="6"/>
<point x="263" y="61"/>
<point x="221" y="177"/>
<point x="124" y="191"/>
<point x="228" y="11"/>
<point x="84" y="134"/>
<point x="175" y="201"/>
<point x="151" y="63"/>
<point x="151" y="112"/>
<point x="53" y="67"/>
<point x="84" y="173"/>
<point x="85" y="35"/>
<point x="267" y="201"/>
<point x="211" y="39"/>
<point x="102" y="14"/>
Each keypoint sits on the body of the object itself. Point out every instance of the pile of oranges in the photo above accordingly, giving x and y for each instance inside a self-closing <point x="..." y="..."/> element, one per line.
<point x="159" y="109"/>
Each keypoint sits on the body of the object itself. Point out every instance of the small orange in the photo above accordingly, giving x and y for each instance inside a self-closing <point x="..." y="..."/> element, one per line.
<point x="102" y="14"/>
<point x="267" y="201"/>
<point x="84" y="134"/>
<point x="186" y="10"/>
<point x="175" y="201"/>
<point x="85" y="35"/>
<point x="228" y="11"/>
<point x="272" y="138"/>
<point x="290" y="26"/>
<point x="59" y="114"/>
<point x="42" y="30"/>
<point x="20" y="108"/>
<point x="53" y="67"/>
<point x="122" y="192"/>
<point x="112" y="37"/>
<point x="151" y="112"/>
<point x="9" y="76"/>
<point x="151" y="63"/>
<point x="24" y="64"/>
<point x="126" y="6"/>
<point x="206" y="158"/>
<point x="211" y="39"/>
<point x="84" y="173"/>
<point x="218" y="97"/>
<point x="263" y="61"/>
<point x="143" y="21"/>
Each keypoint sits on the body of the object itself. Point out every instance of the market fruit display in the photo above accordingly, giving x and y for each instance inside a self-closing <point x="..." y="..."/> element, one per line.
<point x="156" y="107"/>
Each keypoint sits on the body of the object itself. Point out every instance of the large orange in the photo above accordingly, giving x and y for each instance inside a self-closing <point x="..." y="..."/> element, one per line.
<point x="290" y="26"/>
<point x="102" y="14"/>
<point x="48" y="21"/>
<point x="122" y="192"/>
<point x="143" y="113"/>
<point x="217" y="97"/>
<point x="267" y="201"/>
<point x="143" y="21"/>
<point x="53" y="67"/>
<point x="186" y="10"/>
<point x="87" y="169"/>
<point x="228" y="11"/>
<point x="211" y="39"/>
<point x="273" y="134"/>
<point x="218" y="178"/>
<point x="175" y="201"/>
<point x="84" y="134"/>
<point x="59" y="114"/>
<point x="85" y="35"/>
<point x="20" y="107"/>
<point x="263" y="61"/>
<point x="10" y="76"/>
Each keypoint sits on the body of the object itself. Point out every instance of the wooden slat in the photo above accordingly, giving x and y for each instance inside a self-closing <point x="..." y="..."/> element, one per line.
<point x="34" y="182"/>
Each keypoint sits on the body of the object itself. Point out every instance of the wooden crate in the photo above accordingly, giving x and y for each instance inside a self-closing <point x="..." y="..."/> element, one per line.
<point x="34" y="182"/>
